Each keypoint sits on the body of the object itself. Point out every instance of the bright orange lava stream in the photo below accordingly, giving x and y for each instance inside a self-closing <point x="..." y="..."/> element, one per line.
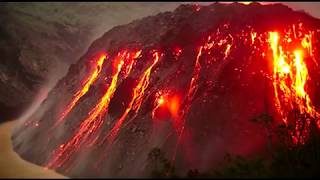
<point x="290" y="75"/>
<point x="91" y="124"/>
<point x="86" y="85"/>
<point x="136" y="101"/>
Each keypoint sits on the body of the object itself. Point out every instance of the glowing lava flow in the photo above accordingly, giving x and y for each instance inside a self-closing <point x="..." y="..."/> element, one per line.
<point x="253" y="37"/>
<point x="161" y="99"/>
<point x="131" y="58"/>
<point x="90" y="124"/>
<point x="86" y="85"/>
<point x="136" y="101"/>
<point x="193" y="86"/>
<point x="227" y="51"/>
<point x="307" y="44"/>
<point x="290" y="76"/>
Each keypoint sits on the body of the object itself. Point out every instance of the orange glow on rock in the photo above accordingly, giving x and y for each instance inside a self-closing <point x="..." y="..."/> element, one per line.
<point x="160" y="101"/>
<point x="174" y="106"/>
<point x="166" y="101"/>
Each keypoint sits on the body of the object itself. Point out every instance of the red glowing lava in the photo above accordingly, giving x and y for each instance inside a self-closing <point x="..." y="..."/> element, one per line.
<point x="85" y="88"/>
<point x="290" y="76"/>
<point x="94" y="121"/>
<point x="136" y="101"/>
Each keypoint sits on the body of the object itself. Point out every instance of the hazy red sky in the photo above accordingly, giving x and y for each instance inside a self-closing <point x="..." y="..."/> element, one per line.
<point x="313" y="8"/>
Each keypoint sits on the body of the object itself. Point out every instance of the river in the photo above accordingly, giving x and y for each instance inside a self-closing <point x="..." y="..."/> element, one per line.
<point x="11" y="165"/>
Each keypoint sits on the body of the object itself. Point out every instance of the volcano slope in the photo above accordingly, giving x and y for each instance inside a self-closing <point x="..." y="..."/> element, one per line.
<point x="187" y="82"/>
<point x="39" y="41"/>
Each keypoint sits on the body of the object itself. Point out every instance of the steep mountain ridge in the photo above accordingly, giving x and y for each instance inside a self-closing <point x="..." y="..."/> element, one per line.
<point x="187" y="81"/>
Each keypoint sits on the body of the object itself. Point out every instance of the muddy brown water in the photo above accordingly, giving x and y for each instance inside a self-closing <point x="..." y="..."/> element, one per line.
<point x="11" y="165"/>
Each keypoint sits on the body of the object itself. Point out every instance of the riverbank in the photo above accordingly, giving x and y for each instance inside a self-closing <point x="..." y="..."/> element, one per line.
<point x="11" y="165"/>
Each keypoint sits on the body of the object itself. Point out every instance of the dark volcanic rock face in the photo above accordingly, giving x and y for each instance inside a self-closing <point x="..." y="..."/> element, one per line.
<point x="209" y="58"/>
<point x="35" y="53"/>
